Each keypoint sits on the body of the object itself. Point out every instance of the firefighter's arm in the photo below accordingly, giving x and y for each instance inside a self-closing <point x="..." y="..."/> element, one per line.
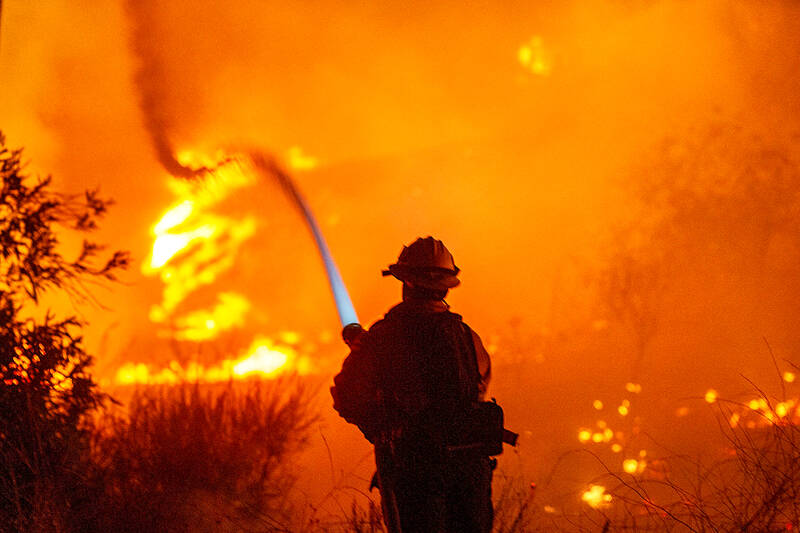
<point x="355" y="390"/>
<point x="484" y="364"/>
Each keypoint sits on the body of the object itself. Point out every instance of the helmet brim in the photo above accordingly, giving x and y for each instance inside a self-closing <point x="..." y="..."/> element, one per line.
<point x="437" y="279"/>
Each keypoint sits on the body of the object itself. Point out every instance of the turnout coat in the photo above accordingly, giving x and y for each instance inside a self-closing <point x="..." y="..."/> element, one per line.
<point x="409" y="384"/>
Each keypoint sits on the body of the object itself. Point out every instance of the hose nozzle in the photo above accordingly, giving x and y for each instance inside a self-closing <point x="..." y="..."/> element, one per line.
<point x="351" y="333"/>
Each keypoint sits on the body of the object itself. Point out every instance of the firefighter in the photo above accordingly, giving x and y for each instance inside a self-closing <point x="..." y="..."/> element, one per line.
<point x="408" y="384"/>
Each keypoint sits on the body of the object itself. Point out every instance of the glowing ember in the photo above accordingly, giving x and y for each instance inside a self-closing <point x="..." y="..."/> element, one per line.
<point x="617" y="441"/>
<point x="533" y="56"/>
<point x="289" y="337"/>
<point x="596" y="497"/>
<point x="711" y="396"/>
<point x="634" y="388"/>
<point x="635" y="466"/>
<point x="299" y="161"/>
<point x="624" y="407"/>
<point x="760" y="412"/>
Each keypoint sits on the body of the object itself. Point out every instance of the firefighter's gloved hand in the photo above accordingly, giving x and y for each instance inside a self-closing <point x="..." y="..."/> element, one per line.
<point x="351" y="334"/>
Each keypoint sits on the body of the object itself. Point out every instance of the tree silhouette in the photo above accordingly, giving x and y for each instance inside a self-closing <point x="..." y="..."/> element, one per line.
<point x="46" y="391"/>
<point x="712" y="208"/>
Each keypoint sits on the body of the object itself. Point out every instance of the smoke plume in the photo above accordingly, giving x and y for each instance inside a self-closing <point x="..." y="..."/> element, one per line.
<point x="150" y="79"/>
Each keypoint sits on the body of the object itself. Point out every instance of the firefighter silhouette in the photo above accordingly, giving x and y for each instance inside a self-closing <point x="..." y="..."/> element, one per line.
<point x="410" y="384"/>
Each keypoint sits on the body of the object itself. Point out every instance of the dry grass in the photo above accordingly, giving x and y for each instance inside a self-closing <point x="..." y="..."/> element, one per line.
<point x="190" y="459"/>
<point x="755" y="487"/>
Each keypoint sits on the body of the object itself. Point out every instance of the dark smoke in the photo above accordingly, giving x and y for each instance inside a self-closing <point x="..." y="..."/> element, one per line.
<point x="150" y="78"/>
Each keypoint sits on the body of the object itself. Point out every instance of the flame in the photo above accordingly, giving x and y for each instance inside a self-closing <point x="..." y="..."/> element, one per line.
<point x="596" y="497"/>
<point x="624" y="407"/>
<point x="759" y="412"/>
<point x="204" y="325"/>
<point x="711" y="396"/>
<point x="298" y="160"/>
<point x="534" y="57"/>
<point x="193" y="244"/>
<point x="617" y="441"/>
<point x="634" y="388"/>
<point x="263" y="359"/>
<point x="630" y="465"/>
<point x="635" y="466"/>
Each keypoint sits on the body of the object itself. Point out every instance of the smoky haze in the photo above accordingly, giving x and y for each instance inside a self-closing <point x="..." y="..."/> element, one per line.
<point x="426" y="119"/>
<point x="152" y="87"/>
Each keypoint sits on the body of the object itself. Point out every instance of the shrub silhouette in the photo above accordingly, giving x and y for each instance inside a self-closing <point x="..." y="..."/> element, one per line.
<point x="187" y="458"/>
<point x="46" y="392"/>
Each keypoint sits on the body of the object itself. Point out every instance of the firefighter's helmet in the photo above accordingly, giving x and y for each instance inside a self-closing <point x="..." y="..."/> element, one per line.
<point x="426" y="263"/>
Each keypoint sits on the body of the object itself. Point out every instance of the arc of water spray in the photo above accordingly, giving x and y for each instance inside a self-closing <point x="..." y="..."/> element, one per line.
<point x="344" y="306"/>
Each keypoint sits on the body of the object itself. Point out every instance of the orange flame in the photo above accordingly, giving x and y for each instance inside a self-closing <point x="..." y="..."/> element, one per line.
<point x="618" y="441"/>
<point x="262" y="359"/>
<point x="596" y="497"/>
<point x="193" y="245"/>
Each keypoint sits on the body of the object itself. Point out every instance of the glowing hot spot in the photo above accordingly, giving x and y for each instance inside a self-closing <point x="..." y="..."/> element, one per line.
<point x="534" y="57"/>
<point x="193" y="246"/>
<point x="711" y="396"/>
<point x="596" y="497"/>
<point x="299" y="160"/>
<point x="203" y="324"/>
<point x="634" y="388"/>
<point x="264" y="360"/>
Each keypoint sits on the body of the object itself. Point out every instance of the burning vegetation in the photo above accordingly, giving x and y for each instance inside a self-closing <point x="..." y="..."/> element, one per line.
<point x="192" y="247"/>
